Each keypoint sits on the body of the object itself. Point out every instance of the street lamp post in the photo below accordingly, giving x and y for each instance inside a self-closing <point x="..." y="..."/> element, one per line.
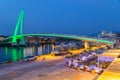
<point x="98" y="62"/>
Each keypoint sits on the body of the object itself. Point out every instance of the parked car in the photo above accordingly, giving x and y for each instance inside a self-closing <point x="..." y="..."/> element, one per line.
<point x="29" y="58"/>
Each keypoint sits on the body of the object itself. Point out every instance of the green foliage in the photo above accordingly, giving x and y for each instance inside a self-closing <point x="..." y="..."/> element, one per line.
<point x="105" y="64"/>
<point x="93" y="63"/>
<point x="87" y="63"/>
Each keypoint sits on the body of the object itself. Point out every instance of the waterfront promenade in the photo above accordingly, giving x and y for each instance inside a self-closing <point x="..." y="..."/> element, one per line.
<point x="113" y="70"/>
<point x="53" y="68"/>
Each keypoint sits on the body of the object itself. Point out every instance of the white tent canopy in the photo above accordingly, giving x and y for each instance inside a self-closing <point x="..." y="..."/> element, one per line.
<point x="61" y="45"/>
<point x="70" y="45"/>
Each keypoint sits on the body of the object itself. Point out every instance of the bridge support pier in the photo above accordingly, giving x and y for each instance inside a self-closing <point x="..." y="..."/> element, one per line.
<point x="18" y="43"/>
<point x="86" y="45"/>
<point x="14" y="44"/>
<point x="22" y="41"/>
<point x="53" y="47"/>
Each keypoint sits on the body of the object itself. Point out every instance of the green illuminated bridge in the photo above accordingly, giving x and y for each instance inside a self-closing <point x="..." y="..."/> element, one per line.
<point x="21" y="36"/>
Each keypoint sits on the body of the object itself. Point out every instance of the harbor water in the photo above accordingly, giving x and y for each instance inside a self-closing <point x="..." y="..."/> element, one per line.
<point x="13" y="54"/>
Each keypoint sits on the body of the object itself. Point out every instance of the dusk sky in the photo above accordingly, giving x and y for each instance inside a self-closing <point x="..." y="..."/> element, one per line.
<point x="61" y="16"/>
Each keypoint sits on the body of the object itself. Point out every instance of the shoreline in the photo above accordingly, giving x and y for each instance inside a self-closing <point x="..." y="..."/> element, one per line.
<point x="52" y="68"/>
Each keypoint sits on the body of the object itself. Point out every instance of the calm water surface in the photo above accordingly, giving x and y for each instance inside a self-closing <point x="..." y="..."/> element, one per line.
<point x="18" y="53"/>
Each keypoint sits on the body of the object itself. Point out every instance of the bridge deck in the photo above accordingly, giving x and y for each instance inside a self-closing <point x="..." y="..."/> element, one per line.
<point x="63" y="36"/>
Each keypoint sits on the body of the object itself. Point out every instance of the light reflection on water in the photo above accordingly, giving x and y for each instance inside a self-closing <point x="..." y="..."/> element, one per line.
<point x="18" y="53"/>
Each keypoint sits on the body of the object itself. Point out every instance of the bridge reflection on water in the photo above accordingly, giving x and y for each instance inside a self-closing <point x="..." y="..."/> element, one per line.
<point x="12" y="54"/>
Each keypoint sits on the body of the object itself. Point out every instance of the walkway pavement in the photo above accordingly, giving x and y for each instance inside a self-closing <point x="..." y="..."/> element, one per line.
<point x="43" y="70"/>
<point x="113" y="70"/>
<point x="111" y="53"/>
